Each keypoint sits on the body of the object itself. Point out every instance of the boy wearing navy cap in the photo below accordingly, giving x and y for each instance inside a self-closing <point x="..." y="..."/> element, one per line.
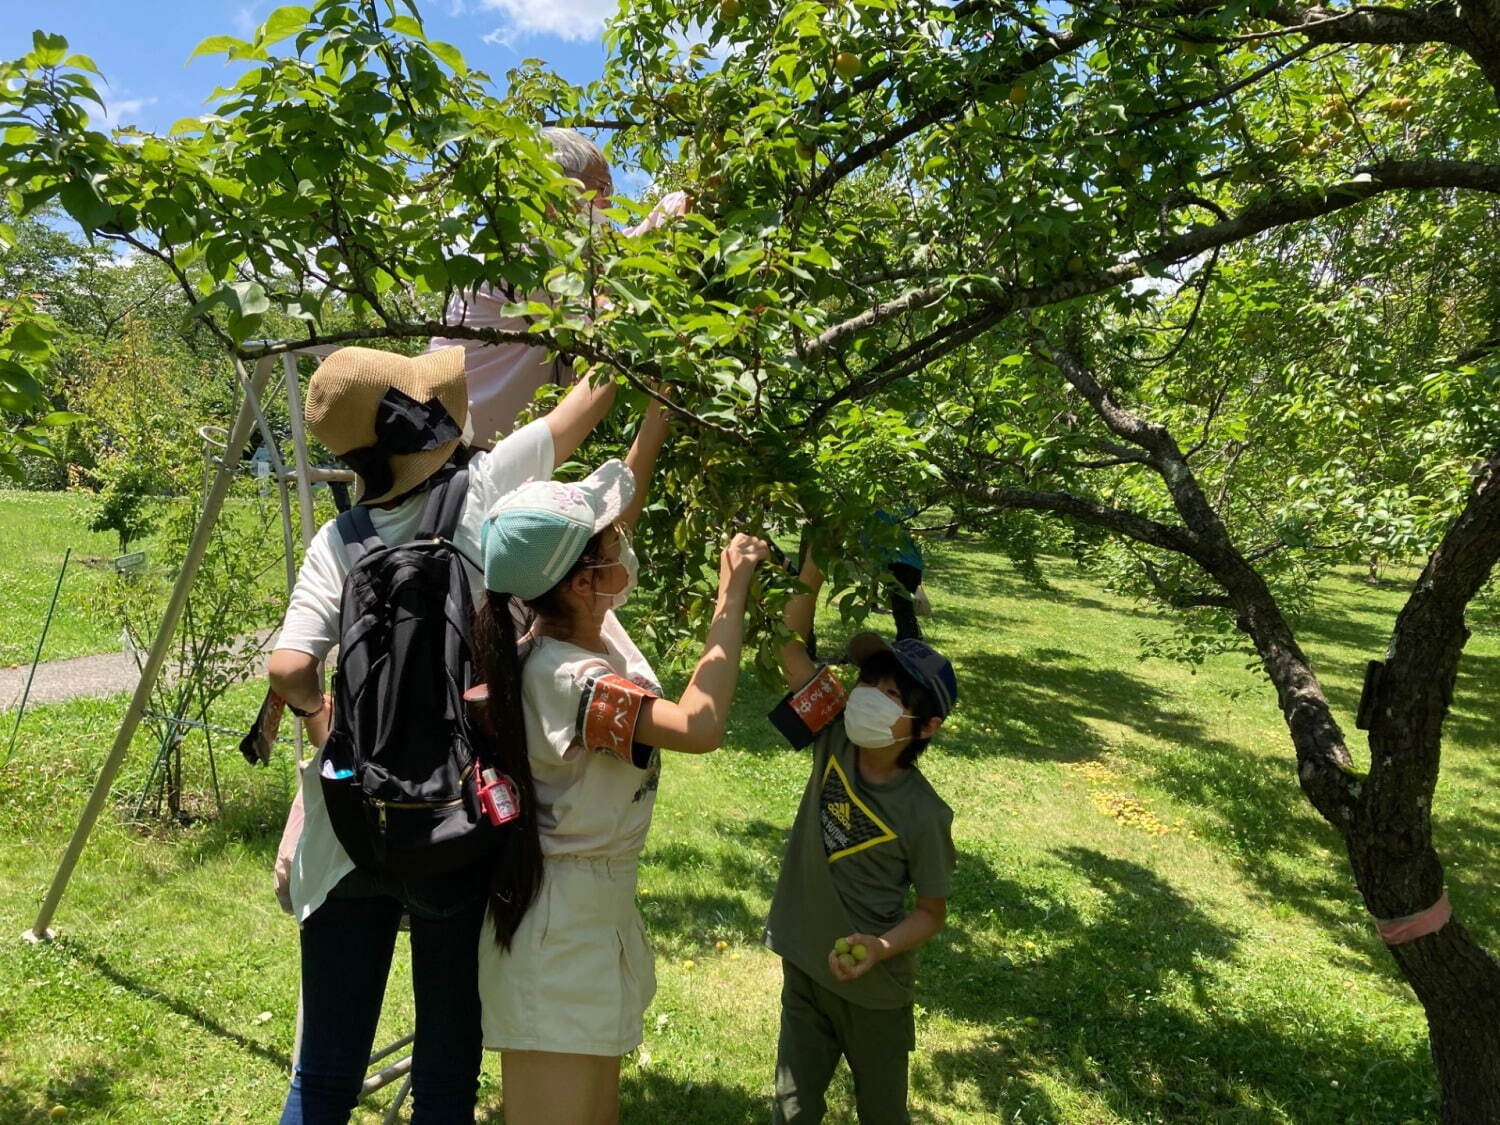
<point x="870" y="827"/>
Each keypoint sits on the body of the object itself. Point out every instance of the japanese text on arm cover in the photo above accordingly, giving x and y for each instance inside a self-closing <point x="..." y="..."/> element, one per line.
<point x="803" y="714"/>
<point x="607" y="714"/>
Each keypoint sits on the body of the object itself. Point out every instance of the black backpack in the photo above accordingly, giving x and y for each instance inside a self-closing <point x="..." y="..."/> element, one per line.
<point x="399" y="769"/>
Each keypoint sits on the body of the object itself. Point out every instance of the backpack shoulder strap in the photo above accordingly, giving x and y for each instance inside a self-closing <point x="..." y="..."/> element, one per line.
<point x="445" y="504"/>
<point x="358" y="532"/>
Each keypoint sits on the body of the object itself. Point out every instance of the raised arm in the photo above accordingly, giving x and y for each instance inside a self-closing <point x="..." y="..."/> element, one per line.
<point x="574" y="418"/>
<point x="796" y="665"/>
<point x="695" y="723"/>
<point x="641" y="460"/>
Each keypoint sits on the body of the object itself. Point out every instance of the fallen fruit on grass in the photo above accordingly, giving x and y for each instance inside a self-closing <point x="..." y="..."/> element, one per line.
<point x="689" y="964"/>
<point x="858" y="951"/>
<point x="721" y="946"/>
<point x="735" y="956"/>
<point x="58" y="1112"/>
<point x="841" y="945"/>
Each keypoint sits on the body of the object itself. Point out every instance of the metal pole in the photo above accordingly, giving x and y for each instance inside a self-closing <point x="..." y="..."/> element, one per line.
<point x="228" y="466"/>
<point x="384" y="1077"/>
<point x="299" y="447"/>
<point x="35" y="660"/>
<point x="393" y="1114"/>
<point x="386" y="1052"/>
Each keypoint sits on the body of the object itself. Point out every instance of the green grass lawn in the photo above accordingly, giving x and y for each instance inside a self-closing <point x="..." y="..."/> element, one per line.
<point x="38" y="528"/>
<point x="1148" y="924"/>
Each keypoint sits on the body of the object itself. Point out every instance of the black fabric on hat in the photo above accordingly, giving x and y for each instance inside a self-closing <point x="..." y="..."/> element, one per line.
<point x="402" y="425"/>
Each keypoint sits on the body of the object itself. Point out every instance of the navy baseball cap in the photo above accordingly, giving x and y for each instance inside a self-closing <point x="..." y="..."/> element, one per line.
<point x="922" y="662"/>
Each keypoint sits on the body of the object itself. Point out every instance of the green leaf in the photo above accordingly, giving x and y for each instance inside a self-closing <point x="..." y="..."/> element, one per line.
<point x="49" y="49"/>
<point x="251" y="299"/>
<point x="60" y="418"/>
<point x="449" y="54"/>
<point x="30" y="338"/>
<point x="406" y="25"/>
<point x="218" y="45"/>
<point x="282" y="23"/>
<point x="81" y="201"/>
<point x="83" y="62"/>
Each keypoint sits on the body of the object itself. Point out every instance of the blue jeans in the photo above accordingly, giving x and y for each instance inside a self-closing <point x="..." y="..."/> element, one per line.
<point x="347" y="944"/>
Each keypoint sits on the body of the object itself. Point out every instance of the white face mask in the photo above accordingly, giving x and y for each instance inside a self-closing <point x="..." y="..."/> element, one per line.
<point x="869" y="716"/>
<point x="632" y="567"/>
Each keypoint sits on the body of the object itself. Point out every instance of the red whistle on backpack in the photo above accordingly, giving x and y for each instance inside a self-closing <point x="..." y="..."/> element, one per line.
<point x="498" y="797"/>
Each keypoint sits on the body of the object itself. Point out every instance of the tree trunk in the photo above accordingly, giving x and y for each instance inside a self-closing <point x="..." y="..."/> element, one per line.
<point x="1385" y="817"/>
<point x="1458" y="985"/>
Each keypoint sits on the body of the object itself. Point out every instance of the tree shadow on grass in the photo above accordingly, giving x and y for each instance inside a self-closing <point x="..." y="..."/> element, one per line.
<point x="251" y="822"/>
<point x="83" y="1092"/>
<point x="1039" y="705"/>
<point x="1086" y="1010"/>
<point x="649" y="1097"/>
<point x="97" y="963"/>
<point x="680" y="920"/>
<point x="1043" y="704"/>
<point x="977" y="578"/>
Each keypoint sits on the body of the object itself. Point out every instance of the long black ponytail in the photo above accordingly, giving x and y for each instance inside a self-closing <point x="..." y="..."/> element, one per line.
<point x="517" y="876"/>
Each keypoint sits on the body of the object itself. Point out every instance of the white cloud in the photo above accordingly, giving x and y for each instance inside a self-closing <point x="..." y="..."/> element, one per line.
<point x="117" y="113"/>
<point x="245" y="20"/>
<point x="573" y="20"/>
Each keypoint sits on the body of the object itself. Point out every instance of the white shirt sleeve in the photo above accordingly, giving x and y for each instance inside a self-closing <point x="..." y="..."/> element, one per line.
<point x="551" y="690"/>
<point x="311" y="624"/>
<point x="525" y="455"/>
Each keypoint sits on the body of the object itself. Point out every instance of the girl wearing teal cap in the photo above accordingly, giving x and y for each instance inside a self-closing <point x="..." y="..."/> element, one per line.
<point x="565" y="969"/>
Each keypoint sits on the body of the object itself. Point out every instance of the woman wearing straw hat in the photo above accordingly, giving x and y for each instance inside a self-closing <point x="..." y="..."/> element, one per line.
<point x="397" y="422"/>
<point x="564" y="989"/>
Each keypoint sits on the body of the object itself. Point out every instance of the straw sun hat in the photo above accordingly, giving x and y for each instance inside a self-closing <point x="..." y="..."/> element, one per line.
<point x="394" y="419"/>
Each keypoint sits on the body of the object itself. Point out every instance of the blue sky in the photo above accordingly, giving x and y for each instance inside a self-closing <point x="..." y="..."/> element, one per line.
<point x="142" y="46"/>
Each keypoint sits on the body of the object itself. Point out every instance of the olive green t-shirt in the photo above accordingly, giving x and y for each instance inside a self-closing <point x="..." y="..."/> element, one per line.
<point x="855" y="850"/>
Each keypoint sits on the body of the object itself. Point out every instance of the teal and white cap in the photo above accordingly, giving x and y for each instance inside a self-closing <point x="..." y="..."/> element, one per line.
<point x="534" y="534"/>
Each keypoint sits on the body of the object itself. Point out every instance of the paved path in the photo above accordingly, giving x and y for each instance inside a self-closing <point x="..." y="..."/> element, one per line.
<point x="58" y="681"/>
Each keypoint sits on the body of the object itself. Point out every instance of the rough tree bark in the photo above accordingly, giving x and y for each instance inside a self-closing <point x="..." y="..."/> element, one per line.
<point x="1384" y="818"/>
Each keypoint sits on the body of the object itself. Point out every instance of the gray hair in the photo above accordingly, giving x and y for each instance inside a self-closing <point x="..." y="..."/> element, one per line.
<point x="580" y="159"/>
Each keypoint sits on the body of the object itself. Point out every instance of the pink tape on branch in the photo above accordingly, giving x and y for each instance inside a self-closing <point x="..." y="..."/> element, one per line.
<point x="1399" y="931"/>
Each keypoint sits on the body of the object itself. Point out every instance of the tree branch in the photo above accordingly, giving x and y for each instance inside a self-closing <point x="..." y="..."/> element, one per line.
<point x="1371" y="24"/>
<point x="1030" y="60"/>
<point x="1129" y="524"/>
<point x="922" y="298"/>
<point x="1182" y="599"/>
<point x="1421" y="666"/>
<point x="639" y="375"/>
<point x="1265" y="214"/>
<point x="1322" y="755"/>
